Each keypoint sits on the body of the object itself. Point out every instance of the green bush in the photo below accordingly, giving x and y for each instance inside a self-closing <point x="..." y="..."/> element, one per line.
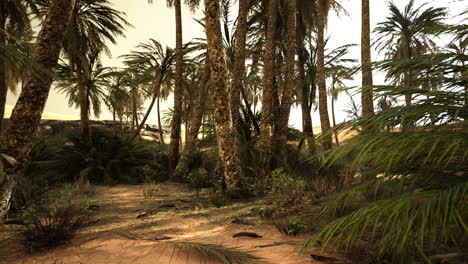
<point x="290" y="189"/>
<point x="52" y="219"/>
<point x="103" y="157"/>
<point x="290" y="226"/>
<point x="200" y="178"/>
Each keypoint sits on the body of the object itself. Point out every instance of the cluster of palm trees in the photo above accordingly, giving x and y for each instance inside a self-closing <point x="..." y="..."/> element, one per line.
<point x="274" y="54"/>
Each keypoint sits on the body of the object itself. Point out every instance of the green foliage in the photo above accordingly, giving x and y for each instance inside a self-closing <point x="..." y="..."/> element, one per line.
<point x="290" y="189"/>
<point x="414" y="205"/>
<point x="54" y="217"/>
<point x="199" y="178"/>
<point x="290" y="226"/>
<point x="104" y="157"/>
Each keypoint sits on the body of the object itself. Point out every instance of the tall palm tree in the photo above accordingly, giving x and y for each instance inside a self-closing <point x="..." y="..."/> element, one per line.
<point x="195" y="123"/>
<point x="155" y="64"/>
<point x="286" y="100"/>
<point x="366" y="95"/>
<point x="339" y="70"/>
<point x="14" y="25"/>
<point x="16" y="141"/>
<point x="117" y="94"/>
<point x="266" y="124"/>
<point x="225" y="133"/>
<point x="239" y="60"/>
<point x="305" y="22"/>
<point x="406" y="34"/>
<point x="94" y="84"/>
<point x="178" y="87"/>
<point x="323" y="8"/>
<point x="93" y="25"/>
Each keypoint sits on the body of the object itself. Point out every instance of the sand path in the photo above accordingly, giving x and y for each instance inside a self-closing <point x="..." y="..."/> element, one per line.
<point x="175" y="212"/>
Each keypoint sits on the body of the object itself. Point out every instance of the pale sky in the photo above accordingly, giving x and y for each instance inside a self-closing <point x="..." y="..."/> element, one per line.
<point x="157" y="21"/>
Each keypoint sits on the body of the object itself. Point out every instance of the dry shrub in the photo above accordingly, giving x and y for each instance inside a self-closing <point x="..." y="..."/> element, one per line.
<point x="150" y="189"/>
<point x="52" y="220"/>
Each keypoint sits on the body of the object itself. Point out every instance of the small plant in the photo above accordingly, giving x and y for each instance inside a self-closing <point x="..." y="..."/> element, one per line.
<point x="289" y="226"/>
<point x="290" y="190"/>
<point x="55" y="218"/>
<point x="150" y="189"/>
<point x="200" y="178"/>
<point x="219" y="200"/>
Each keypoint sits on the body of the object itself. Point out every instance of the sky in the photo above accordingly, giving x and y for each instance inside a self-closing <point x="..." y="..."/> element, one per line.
<point x="157" y="21"/>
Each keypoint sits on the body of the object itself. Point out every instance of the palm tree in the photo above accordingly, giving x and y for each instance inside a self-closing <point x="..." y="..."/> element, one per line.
<point x="286" y="100"/>
<point x="14" y="26"/>
<point x="155" y="64"/>
<point x="239" y="59"/>
<point x="366" y="95"/>
<point x="406" y="35"/>
<point x="116" y="95"/>
<point x="323" y="8"/>
<point x="338" y="71"/>
<point x="305" y="22"/>
<point x="16" y="141"/>
<point x="94" y="85"/>
<point x="93" y="25"/>
<point x="225" y="133"/>
<point x="178" y="87"/>
<point x="195" y="123"/>
<point x="266" y="127"/>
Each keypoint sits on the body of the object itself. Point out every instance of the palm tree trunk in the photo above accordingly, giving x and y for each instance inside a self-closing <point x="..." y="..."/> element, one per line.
<point x="286" y="100"/>
<point x="225" y="133"/>
<point x="84" y="113"/>
<point x="134" y="111"/>
<point x="3" y="84"/>
<point x="114" y="120"/>
<point x="194" y="128"/>
<point x="367" y="82"/>
<point x="178" y="92"/>
<point x="161" y="134"/>
<point x="323" y="104"/>
<point x="16" y="141"/>
<point x="84" y="103"/>
<point x="407" y="81"/>
<point x="334" y="120"/>
<point x="150" y="108"/>
<point x="266" y="127"/>
<point x="239" y="60"/>
<point x="307" y="128"/>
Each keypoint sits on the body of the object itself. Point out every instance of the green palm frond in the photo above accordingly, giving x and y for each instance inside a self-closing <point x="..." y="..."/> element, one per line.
<point x="207" y="252"/>
<point x="420" y="219"/>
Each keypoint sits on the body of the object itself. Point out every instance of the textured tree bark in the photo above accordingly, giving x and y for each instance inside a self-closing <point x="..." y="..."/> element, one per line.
<point x="178" y="92"/>
<point x="161" y="134"/>
<point x="323" y="103"/>
<point x="225" y="133"/>
<point x="334" y="120"/>
<point x="84" y="103"/>
<point x="3" y="84"/>
<point x="239" y="61"/>
<point x="266" y="124"/>
<point x="367" y="82"/>
<point x="307" y="128"/>
<point x="192" y="133"/>
<point x="408" y="82"/>
<point x="16" y="141"/>
<point x="286" y="99"/>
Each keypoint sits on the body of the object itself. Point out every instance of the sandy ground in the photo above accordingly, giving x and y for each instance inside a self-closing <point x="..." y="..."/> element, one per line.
<point x="176" y="212"/>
